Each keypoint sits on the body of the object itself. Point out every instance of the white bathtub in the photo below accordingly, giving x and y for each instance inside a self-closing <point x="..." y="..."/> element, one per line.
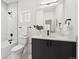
<point x="6" y="49"/>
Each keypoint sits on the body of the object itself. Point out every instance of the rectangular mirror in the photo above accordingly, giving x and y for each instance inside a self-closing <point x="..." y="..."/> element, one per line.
<point x="50" y="13"/>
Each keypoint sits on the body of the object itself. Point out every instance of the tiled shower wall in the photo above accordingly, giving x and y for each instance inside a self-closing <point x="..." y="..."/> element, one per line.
<point x="4" y="21"/>
<point x="8" y="22"/>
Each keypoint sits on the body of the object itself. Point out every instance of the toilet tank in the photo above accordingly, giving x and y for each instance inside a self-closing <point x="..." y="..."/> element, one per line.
<point x="22" y="41"/>
<point x="24" y="34"/>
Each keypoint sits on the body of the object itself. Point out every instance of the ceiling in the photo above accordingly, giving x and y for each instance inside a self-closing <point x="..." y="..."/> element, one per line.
<point x="9" y="1"/>
<point x="43" y="1"/>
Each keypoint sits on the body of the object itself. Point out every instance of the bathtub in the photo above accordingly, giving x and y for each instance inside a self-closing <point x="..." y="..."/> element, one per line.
<point x="6" y="49"/>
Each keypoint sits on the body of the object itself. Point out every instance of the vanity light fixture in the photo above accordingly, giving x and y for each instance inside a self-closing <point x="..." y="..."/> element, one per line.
<point x="53" y="4"/>
<point x="49" y="2"/>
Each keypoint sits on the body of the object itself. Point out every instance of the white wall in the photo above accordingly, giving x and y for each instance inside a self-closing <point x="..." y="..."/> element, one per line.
<point x="26" y="5"/>
<point x="59" y="16"/>
<point x="3" y="21"/>
<point x="71" y="11"/>
<point x="39" y="17"/>
<point x="12" y="21"/>
<point x="59" y="12"/>
<point x="69" y="7"/>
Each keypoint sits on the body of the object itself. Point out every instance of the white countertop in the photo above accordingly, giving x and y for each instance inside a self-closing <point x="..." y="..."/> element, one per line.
<point x="60" y="38"/>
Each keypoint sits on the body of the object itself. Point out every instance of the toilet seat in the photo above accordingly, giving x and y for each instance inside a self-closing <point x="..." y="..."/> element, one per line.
<point x="17" y="47"/>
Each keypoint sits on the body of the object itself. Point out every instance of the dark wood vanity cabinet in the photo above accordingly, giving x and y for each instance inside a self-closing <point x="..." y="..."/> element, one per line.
<point x="52" y="49"/>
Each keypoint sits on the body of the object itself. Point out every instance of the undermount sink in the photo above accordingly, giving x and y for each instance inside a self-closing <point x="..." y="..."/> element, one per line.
<point x="52" y="35"/>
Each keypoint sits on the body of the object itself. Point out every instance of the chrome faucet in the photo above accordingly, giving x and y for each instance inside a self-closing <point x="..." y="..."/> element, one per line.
<point x="10" y="41"/>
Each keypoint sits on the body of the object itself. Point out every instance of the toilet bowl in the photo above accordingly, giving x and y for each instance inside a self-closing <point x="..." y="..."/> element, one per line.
<point x="17" y="51"/>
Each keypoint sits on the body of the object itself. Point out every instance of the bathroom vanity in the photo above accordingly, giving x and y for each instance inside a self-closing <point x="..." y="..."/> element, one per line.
<point x="53" y="48"/>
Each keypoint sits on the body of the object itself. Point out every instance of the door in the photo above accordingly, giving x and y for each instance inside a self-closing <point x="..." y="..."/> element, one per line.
<point x="55" y="50"/>
<point x="62" y="50"/>
<point x="39" y="49"/>
<point x="69" y="50"/>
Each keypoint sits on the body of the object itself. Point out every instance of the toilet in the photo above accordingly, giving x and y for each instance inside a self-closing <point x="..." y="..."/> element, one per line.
<point x="17" y="51"/>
